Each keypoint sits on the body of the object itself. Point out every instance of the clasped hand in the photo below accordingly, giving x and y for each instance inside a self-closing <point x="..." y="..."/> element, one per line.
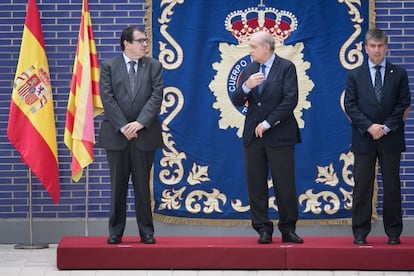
<point x="377" y="131"/>
<point x="131" y="129"/>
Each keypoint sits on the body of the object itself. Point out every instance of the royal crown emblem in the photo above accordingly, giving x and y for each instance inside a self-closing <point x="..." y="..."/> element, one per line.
<point x="33" y="87"/>
<point x="243" y="23"/>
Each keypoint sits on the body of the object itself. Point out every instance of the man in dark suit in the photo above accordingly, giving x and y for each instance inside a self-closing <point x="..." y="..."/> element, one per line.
<point x="376" y="97"/>
<point x="131" y="90"/>
<point x="269" y="136"/>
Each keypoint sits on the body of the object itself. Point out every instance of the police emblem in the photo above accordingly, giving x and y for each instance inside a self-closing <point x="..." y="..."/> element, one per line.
<point x="242" y="24"/>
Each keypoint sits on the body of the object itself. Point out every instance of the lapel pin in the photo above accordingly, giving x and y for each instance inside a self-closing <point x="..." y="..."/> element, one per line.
<point x="392" y="71"/>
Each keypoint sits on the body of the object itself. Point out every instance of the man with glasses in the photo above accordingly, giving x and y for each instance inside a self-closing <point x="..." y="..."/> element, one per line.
<point x="131" y="89"/>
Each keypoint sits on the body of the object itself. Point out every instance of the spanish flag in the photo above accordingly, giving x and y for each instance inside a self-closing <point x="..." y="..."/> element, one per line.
<point x="84" y="101"/>
<point x="31" y="127"/>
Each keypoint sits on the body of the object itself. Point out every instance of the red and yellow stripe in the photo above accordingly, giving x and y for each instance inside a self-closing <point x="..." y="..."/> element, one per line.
<point x="84" y="102"/>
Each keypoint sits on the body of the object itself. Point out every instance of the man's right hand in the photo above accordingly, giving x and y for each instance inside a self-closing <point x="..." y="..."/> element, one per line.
<point x="254" y="80"/>
<point x="377" y="131"/>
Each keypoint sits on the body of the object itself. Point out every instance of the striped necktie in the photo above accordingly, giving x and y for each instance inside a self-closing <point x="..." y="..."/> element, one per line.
<point x="378" y="82"/>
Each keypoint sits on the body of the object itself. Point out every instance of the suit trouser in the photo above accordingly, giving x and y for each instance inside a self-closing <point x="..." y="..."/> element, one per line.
<point x="137" y="164"/>
<point x="364" y="177"/>
<point x="281" y="161"/>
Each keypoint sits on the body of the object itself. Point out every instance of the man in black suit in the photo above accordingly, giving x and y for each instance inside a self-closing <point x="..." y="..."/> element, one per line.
<point x="269" y="136"/>
<point x="131" y="90"/>
<point x="376" y="98"/>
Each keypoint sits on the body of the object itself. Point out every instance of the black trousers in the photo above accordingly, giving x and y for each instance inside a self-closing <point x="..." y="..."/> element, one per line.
<point x="137" y="164"/>
<point x="364" y="177"/>
<point x="259" y="158"/>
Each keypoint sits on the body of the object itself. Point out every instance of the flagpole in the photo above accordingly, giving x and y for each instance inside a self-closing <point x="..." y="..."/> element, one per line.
<point x="31" y="245"/>
<point x="79" y="134"/>
<point x="87" y="201"/>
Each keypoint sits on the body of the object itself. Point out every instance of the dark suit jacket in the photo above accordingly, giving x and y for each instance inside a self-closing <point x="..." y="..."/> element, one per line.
<point x="120" y="108"/>
<point x="363" y="109"/>
<point x="275" y="104"/>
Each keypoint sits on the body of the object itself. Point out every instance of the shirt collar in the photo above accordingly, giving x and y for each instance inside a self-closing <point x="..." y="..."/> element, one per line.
<point x="269" y="62"/>
<point x="127" y="59"/>
<point x="372" y="65"/>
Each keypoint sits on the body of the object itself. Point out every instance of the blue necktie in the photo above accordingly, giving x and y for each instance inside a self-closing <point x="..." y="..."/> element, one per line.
<point x="378" y="82"/>
<point x="262" y="70"/>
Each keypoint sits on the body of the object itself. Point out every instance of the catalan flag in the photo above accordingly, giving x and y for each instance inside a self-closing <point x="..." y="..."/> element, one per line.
<point x="84" y="101"/>
<point x="31" y="127"/>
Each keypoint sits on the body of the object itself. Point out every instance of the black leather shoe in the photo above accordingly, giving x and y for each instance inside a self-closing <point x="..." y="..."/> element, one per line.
<point x="394" y="240"/>
<point x="114" y="240"/>
<point x="291" y="237"/>
<point x="360" y="240"/>
<point x="148" y="239"/>
<point x="265" y="237"/>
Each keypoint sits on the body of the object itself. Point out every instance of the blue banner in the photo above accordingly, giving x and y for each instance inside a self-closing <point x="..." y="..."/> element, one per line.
<point x="203" y="45"/>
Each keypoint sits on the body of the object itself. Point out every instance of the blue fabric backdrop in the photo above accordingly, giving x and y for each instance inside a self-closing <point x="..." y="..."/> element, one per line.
<point x="199" y="175"/>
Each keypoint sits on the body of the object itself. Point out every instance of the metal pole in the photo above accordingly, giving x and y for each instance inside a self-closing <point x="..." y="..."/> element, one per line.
<point x="87" y="201"/>
<point x="31" y="245"/>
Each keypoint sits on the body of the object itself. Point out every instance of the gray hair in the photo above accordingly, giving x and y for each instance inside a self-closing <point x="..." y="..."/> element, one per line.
<point x="376" y="34"/>
<point x="265" y="38"/>
<point x="269" y="39"/>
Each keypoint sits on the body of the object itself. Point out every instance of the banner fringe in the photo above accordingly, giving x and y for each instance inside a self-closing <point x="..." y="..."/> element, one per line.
<point x="148" y="25"/>
<point x="245" y="222"/>
<point x="372" y="16"/>
<point x="371" y="19"/>
<point x="203" y="222"/>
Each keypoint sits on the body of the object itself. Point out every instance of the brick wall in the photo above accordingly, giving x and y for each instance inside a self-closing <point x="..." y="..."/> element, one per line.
<point x="60" y="22"/>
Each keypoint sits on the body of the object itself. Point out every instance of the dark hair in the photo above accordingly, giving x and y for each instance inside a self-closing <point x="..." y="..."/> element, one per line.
<point x="376" y="34"/>
<point x="128" y="34"/>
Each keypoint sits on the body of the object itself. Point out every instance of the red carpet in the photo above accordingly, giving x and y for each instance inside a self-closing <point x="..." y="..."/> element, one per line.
<point x="333" y="253"/>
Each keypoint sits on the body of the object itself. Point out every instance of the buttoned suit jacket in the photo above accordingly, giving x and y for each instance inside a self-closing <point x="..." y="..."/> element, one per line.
<point x="363" y="108"/>
<point x="275" y="104"/>
<point x="121" y="106"/>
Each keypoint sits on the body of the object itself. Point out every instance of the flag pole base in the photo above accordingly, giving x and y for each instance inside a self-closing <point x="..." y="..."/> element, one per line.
<point x="31" y="246"/>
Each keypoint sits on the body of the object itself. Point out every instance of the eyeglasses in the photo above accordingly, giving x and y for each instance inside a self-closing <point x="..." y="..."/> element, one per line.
<point x="141" y="40"/>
